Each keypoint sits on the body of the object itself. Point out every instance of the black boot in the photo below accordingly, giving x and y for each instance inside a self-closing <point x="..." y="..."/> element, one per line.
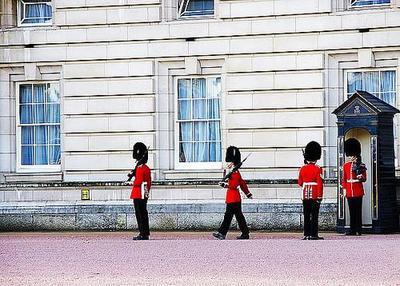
<point x="140" y="237"/>
<point x="219" y="235"/>
<point x="243" y="236"/>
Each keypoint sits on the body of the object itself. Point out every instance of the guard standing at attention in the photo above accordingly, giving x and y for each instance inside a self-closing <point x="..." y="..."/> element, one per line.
<point x="141" y="189"/>
<point x="354" y="174"/>
<point x="311" y="183"/>
<point x="232" y="181"/>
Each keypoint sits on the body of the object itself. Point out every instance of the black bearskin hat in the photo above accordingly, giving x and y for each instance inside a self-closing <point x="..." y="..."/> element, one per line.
<point x="352" y="147"/>
<point x="312" y="151"/>
<point x="233" y="155"/>
<point x="139" y="152"/>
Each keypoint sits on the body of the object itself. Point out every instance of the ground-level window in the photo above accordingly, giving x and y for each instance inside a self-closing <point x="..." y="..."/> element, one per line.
<point x="362" y="3"/>
<point x="199" y="120"/>
<point x="35" y="12"/>
<point x="380" y="83"/>
<point x="188" y="8"/>
<point x="39" y="125"/>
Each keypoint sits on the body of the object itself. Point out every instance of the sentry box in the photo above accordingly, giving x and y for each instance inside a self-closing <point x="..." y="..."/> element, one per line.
<point x="370" y="120"/>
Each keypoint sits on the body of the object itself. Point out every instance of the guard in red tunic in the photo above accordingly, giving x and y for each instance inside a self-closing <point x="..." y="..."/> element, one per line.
<point x="311" y="183"/>
<point x="233" y="199"/>
<point x="140" y="189"/>
<point x="354" y="174"/>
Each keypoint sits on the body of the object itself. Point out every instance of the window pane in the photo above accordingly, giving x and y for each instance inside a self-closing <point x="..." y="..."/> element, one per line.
<point x="215" y="152"/>
<point x="183" y="88"/>
<point x="25" y="93"/>
<point x="36" y="12"/>
<point x="27" y="155"/>
<point x="54" y="135"/>
<point x="41" y="135"/>
<point x="52" y="113"/>
<point x="214" y="131"/>
<point x="353" y="82"/>
<point x="199" y="88"/>
<point x="184" y="107"/>
<point x="186" y="152"/>
<point x="200" y="131"/>
<point x="41" y="157"/>
<point x="368" y="2"/>
<point x="54" y="154"/>
<point x="214" y="87"/>
<point x="27" y="135"/>
<point x="38" y="113"/>
<point x="186" y="132"/>
<point x="370" y="82"/>
<point x="201" y="152"/>
<point x="388" y="81"/>
<point x="213" y="109"/>
<point x="39" y="93"/>
<point x="26" y="114"/>
<point x="199" y="109"/>
<point x="199" y="7"/>
<point x="53" y="94"/>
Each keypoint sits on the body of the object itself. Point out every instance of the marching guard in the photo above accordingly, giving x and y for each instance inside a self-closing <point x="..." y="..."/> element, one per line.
<point x="311" y="183"/>
<point x="140" y="189"/>
<point x="232" y="181"/>
<point x="354" y="174"/>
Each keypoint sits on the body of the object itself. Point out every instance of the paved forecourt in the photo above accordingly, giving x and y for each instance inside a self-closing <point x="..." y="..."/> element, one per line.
<point x="194" y="258"/>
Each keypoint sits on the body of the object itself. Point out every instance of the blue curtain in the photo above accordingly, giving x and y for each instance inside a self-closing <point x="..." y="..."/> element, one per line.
<point x="37" y="13"/>
<point x="199" y="133"/>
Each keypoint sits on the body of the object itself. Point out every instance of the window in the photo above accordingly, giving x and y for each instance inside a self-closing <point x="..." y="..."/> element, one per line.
<point x="188" y="8"/>
<point x="379" y="83"/>
<point x="362" y="3"/>
<point x="39" y="127"/>
<point x="199" y="122"/>
<point x="35" y="12"/>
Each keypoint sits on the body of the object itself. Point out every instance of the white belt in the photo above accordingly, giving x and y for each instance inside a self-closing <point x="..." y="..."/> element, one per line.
<point x="353" y="181"/>
<point x="310" y="184"/>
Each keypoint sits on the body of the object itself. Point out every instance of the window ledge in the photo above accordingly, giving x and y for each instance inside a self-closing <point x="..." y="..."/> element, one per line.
<point x="33" y="177"/>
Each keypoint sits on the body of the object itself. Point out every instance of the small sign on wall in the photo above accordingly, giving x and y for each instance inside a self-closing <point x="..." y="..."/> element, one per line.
<point x="85" y="194"/>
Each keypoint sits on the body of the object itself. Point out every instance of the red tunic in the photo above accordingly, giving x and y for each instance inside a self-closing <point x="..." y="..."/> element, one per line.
<point x="351" y="184"/>
<point x="143" y="174"/>
<point x="232" y="194"/>
<point x="311" y="183"/>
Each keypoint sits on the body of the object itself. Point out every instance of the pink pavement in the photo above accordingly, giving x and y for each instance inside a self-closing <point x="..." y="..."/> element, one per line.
<point x="195" y="258"/>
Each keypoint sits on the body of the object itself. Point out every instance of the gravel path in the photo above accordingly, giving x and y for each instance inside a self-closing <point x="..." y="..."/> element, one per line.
<point x="197" y="259"/>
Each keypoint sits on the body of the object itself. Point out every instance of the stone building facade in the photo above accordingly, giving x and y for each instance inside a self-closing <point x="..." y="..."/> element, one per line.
<point x="81" y="81"/>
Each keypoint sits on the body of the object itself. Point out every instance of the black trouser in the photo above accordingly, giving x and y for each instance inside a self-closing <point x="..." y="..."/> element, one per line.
<point x="142" y="216"/>
<point x="234" y="209"/>
<point x="355" y="207"/>
<point x="310" y="211"/>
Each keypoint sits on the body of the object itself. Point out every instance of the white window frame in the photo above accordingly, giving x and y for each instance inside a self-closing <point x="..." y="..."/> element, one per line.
<point x="185" y="3"/>
<point x="350" y="6"/>
<point x="20" y="20"/>
<point x="32" y="168"/>
<point x="193" y="165"/>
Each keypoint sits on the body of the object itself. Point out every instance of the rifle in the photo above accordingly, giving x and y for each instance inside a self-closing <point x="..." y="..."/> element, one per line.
<point x="132" y="173"/>
<point x="228" y="176"/>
